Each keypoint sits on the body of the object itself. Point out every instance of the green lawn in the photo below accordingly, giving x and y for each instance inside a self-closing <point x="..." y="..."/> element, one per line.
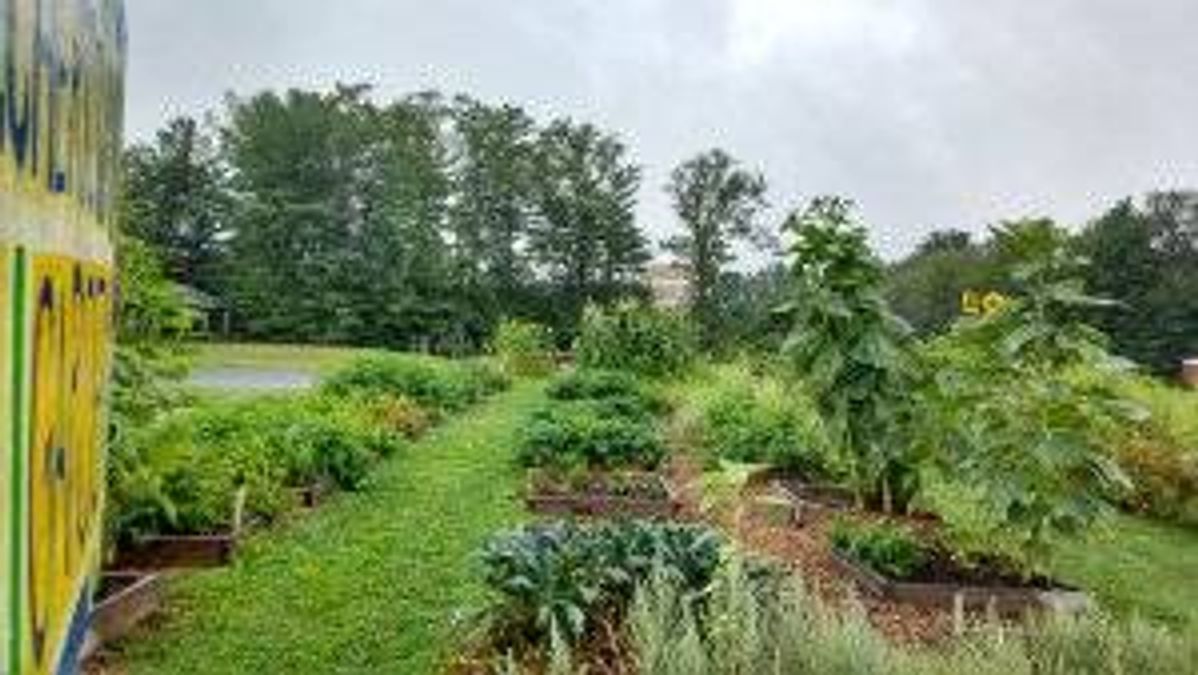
<point x="1139" y="566"/>
<point x="306" y="358"/>
<point x="369" y="583"/>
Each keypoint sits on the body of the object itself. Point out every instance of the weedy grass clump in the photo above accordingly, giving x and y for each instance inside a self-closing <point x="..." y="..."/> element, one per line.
<point x="636" y="338"/>
<point x="524" y="348"/>
<point x="744" y="627"/>
<point x="733" y="414"/>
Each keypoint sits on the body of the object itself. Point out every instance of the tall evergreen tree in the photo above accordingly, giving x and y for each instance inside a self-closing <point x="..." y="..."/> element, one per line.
<point x="176" y="201"/>
<point x="296" y="161"/>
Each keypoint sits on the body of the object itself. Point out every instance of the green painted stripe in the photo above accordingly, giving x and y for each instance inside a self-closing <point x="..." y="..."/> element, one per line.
<point x="17" y="394"/>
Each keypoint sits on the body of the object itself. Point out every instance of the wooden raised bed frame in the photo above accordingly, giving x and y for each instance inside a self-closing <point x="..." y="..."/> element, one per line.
<point x="605" y="505"/>
<point x="115" y="616"/>
<point x="178" y="552"/>
<point x="173" y="552"/>
<point x="1006" y="600"/>
<point x="811" y="500"/>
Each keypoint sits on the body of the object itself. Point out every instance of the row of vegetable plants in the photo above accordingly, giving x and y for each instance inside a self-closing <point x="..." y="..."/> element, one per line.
<point x="213" y="465"/>
<point x="185" y="484"/>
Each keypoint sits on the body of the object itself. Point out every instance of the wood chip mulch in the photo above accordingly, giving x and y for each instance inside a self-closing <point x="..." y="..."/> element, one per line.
<point x="805" y="551"/>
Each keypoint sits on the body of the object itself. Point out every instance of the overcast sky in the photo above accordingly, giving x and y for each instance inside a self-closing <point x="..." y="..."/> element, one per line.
<point x="930" y="113"/>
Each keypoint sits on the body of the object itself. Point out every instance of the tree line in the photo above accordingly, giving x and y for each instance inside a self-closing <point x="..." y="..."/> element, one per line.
<point x="1143" y="255"/>
<point x="422" y="223"/>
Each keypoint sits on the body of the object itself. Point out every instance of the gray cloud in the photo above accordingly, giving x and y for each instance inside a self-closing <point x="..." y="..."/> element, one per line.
<point x="931" y="113"/>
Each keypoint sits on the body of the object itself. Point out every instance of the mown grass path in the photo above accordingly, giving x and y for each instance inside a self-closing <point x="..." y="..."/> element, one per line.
<point x="369" y="583"/>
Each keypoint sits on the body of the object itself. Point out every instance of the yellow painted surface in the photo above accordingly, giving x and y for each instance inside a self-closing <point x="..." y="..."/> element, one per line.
<point x="60" y="142"/>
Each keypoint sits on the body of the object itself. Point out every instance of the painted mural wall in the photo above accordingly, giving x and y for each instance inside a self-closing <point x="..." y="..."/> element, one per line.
<point x="61" y="106"/>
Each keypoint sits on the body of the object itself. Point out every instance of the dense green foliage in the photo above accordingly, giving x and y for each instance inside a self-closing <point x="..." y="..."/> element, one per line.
<point x="180" y="472"/>
<point x="595" y="420"/>
<point x="1159" y="453"/>
<point x="603" y="434"/>
<point x="1018" y="446"/>
<point x="1144" y="256"/>
<point x="717" y="202"/>
<point x="152" y="324"/>
<point x="368" y="583"/>
<point x="566" y="579"/>
<point x="524" y="348"/>
<point x="421" y="223"/>
<point x="176" y="200"/>
<point x="851" y="350"/>
<point x="634" y="337"/>
<point x="589" y="383"/>
<point x="886" y="548"/>
<point x="731" y="413"/>
<point x="439" y="385"/>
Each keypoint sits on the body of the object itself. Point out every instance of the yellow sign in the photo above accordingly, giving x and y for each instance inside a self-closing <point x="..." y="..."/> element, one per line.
<point x="977" y="303"/>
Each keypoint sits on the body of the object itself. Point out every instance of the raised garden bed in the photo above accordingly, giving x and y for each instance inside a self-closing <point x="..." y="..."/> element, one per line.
<point x="169" y="552"/>
<point x="811" y="499"/>
<point x="639" y="494"/>
<point x="942" y="584"/>
<point x="123" y="600"/>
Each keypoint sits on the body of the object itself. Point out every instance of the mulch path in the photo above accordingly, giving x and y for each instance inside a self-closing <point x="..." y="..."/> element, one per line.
<point x="805" y="551"/>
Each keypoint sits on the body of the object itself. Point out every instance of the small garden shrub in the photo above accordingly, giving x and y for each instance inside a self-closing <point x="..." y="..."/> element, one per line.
<point x="622" y="392"/>
<point x="636" y="338"/>
<point x="732" y="414"/>
<point x="1160" y="454"/>
<point x="433" y="383"/>
<point x="524" y="348"/>
<point x="401" y="415"/>
<point x="584" y="434"/>
<point x="594" y="384"/>
<point x="892" y="550"/>
<point x="567" y="578"/>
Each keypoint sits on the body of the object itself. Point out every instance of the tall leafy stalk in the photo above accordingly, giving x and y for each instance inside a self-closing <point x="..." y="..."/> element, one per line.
<point x="851" y="349"/>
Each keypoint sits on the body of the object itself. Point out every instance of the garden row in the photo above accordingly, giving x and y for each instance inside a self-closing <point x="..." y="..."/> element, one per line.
<point x="185" y="488"/>
<point x="960" y="464"/>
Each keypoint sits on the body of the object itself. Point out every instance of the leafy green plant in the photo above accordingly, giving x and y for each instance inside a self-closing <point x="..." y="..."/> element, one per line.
<point x="1018" y="444"/>
<point x="636" y="338"/>
<point x="560" y="576"/>
<point x="524" y="348"/>
<point x="582" y="434"/>
<point x="887" y="548"/>
<point x="436" y="384"/>
<point x="852" y="350"/>
<point x="589" y="383"/>
<point x="756" y="420"/>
